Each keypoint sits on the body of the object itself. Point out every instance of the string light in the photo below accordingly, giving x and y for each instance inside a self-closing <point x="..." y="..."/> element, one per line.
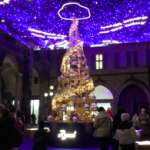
<point x="74" y="3"/>
<point x="4" y="2"/>
<point x="21" y="14"/>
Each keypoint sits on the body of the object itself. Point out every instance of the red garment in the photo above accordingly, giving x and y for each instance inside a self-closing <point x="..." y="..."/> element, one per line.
<point x="19" y="125"/>
<point x="110" y="114"/>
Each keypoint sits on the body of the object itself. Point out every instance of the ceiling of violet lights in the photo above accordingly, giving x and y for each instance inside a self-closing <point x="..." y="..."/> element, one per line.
<point x="47" y="22"/>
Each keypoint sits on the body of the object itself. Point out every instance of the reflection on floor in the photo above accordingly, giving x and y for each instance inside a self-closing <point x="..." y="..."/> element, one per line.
<point x="28" y="142"/>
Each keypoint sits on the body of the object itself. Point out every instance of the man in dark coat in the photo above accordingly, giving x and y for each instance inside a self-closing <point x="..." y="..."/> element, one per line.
<point x="143" y="124"/>
<point x="41" y="137"/>
<point x="10" y="135"/>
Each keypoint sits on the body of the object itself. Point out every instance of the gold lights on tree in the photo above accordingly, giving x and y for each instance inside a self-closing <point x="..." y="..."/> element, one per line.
<point x="75" y="88"/>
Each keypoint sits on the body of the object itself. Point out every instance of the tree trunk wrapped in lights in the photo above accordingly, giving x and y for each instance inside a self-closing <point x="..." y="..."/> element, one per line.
<point x="75" y="85"/>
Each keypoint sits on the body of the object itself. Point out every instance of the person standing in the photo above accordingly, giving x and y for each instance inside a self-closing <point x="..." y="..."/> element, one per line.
<point x="144" y="124"/>
<point x="10" y="135"/>
<point x="103" y="127"/>
<point x="135" y="121"/>
<point x="126" y="133"/>
<point x="116" y="123"/>
<point x="33" y="117"/>
<point x="41" y="138"/>
<point x="13" y="113"/>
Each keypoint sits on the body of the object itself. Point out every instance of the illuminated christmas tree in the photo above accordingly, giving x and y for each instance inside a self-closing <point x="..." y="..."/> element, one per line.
<point x="75" y="88"/>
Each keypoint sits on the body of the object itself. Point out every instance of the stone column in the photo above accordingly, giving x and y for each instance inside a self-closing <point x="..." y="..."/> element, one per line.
<point x="17" y="91"/>
<point x="27" y="83"/>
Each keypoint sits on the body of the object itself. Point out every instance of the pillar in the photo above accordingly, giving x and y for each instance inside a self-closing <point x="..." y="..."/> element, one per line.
<point x="27" y="83"/>
<point x="18" y="91"/>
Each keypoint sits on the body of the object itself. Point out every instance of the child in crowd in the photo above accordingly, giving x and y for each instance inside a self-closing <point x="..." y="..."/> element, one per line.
<point x="41" y="137"/>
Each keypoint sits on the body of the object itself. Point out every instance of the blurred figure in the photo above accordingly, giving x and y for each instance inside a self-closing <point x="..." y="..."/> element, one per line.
<point x="109" y="112"/>
<point x="13" y="113"/>
<point x="41" y="138"/>
<point x="103" y="127"/>
<point x="1" y="107"/>
<point x="33" y="117"/>
<point x="144" y="124"/>
<point x="10" y="136"/>
<point x="116" y="123"/>
<point x="126" y="133"/>
<point x="135" y="121"/>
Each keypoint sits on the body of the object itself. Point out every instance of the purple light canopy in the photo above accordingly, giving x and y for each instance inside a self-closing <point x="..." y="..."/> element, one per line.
<point x="104" y="21"/>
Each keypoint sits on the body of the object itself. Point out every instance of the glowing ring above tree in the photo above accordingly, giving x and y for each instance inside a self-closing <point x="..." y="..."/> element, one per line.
<point x="74" y="3"/>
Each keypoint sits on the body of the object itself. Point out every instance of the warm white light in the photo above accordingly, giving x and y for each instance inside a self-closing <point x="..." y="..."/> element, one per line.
<point x="51" y="46"/>
<point x="51" y="94"/>
<point x="4" y="2"/>
<point x="98" y="45"/>
<point x="51" y="87"/>
<point x="102" y="32"/>
<point x="63" y="135"/>
<point x="2" y="20"/>
<point x="137" y="18"/>
<point x="119" y="28"/>
<point x="74" y="3"/>
<point x="37" y="35"/>
<point x="45" y="94"/>
<point x="143" y="143"/>
<point x="135" y="23"/>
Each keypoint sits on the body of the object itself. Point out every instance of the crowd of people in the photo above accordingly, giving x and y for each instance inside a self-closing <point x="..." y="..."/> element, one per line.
<point x="121" y="131"/>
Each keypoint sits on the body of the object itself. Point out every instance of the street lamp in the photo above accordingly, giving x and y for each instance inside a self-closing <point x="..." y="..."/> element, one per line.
<point x="51" y="87"/>
<point x="51" y="93"/>
<point x="46" y="94"/>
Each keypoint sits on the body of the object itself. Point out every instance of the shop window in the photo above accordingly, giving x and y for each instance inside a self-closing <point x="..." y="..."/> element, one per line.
<point x="102" y="92"/>
<point x="99" y="61"/>
<point x="36" y="80"/>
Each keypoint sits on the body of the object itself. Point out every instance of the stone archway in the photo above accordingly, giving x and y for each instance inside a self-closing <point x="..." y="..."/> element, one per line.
<point x="105" y="95"/>
<point x="137" y="83"/>
<point x="133" y="99"/>
<point x="8" y="75"/>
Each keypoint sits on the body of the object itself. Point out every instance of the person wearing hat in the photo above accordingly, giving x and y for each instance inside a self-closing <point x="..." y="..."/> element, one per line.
<point x="126" y="134"/>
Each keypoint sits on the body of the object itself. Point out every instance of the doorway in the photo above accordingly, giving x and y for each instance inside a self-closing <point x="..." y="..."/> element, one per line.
<point x="35" y="109"/>
<point x="133" y="99"/>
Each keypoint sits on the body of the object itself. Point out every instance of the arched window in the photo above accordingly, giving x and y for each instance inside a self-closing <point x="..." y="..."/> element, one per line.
<point x="102" y="92"/>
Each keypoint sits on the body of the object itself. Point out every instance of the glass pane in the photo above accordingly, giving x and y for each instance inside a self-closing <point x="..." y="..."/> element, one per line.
<point x="105" y="105"/>
<point x="101" y="65"/>
<point x="97" y="65"/>
<point x="102" y="92"/>
<point x="97" y="57"/>
<point x="101" y="57"/>
<point x="36" y="110"/>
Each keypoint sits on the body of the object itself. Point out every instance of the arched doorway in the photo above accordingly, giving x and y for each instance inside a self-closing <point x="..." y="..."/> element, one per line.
<point x="8" y="81"/>
<point x="132" y="99"/>
<point x="104" y="97"/>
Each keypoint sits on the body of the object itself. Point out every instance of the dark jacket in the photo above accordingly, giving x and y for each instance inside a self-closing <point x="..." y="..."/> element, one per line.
<point x="10" y="135"/>
<point x="41" y="137"/>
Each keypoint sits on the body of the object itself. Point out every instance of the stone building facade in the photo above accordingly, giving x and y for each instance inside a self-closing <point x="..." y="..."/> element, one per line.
<point x="118" y="71"/>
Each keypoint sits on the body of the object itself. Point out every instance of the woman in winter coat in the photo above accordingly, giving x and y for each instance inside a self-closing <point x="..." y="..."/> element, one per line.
<point x="103" y="127"/>
<point x="126" y="133"/>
